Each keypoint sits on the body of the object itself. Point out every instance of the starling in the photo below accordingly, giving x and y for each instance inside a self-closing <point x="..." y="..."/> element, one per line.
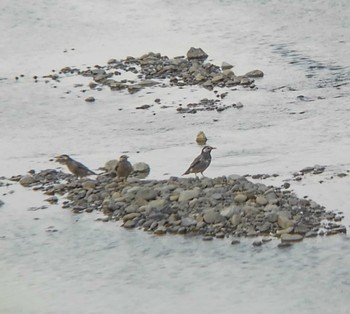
<point x="74" y="166"/>
<point x="201" y="162"/>
<point x="124" y="167"/>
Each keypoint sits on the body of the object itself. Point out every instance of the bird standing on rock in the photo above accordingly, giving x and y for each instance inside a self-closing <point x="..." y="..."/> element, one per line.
<point x="201" y="162"/>
<point x="74" y="166"/>
<point x="124" y="167"/>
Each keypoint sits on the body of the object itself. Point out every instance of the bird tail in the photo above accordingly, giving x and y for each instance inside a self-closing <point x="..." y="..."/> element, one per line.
<point x="187" y="171"/>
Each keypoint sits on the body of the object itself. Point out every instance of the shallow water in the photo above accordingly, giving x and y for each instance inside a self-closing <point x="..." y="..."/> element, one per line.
<point x="94" y="267"/>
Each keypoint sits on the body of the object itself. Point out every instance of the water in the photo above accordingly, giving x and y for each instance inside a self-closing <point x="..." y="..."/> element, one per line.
<point x="92" y="267"/>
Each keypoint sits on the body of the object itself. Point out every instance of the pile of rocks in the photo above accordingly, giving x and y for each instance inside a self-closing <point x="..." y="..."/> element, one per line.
<point x="218" y="207"/>
<point x="155" y="69"/>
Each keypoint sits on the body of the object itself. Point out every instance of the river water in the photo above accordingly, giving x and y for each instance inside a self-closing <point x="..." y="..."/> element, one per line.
<point x="53" y="261"/>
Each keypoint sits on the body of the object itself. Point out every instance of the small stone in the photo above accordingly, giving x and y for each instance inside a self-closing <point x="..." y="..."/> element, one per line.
<point x="226" y="66"/>
<point x="160" y="230"/>
<point x="52" y="200"/>
<point x="90" y="99"/>
<point x="130" y="216"/>
<point x="220" y="235"/>
<point x="255" y="73"/>
<point x="129" y="224"/>
<point x="284" y="220"/>
<point x="188" y="195"/>
<point x="211" y="216"/>
<point x="207" y="238"/>
<point x="287" y="237"/>
<point x="261" y="200"/>
<point x="240" y="198"/>
<point x="88" y="185"/>
<point x="257" y="243"/>
<point x="235" y="241"/>
<point x="27" y="180"/>
<point x="284" y="245"/>
<point x="235" y="220"/>
<point x="196" y="53"/>
<point x="201" y="139"/>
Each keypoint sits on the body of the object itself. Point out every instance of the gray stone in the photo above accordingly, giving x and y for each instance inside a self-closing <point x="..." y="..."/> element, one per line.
<point x="261" y="200"/>
<point x="130" y="216"/>
<point x="207" y="238"/>
<point x="226" y="66"/>
<point x="188" y="195"/>
<point x="1" y="203"/>
<point x="212" y="216"/>
<point x="287" y="237"/>
<point x="235" y="220"/>
<point x="255" y="73"/>
<point x="90" y="99"/>
<point x="88" y="185"/>
<point x="227" y="212"/>
<point x="284" y="220"/>
<point x="140" y="170"/>
<point x="272" y="217"/>
<point x="240" y="198"/>
<point x="110" y="165"/>
<point x="188" y="222"/>
<point x="196" y="53"/>
<point x="301" y="229"/>
<point x="146" y="194"/>
<point x="27" y="180"/>
<point x="130" y="224"/>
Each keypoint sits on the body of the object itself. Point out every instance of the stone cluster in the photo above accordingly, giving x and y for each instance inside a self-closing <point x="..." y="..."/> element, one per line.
<point x="155" y="69"/>
<point x="212" y="208"/>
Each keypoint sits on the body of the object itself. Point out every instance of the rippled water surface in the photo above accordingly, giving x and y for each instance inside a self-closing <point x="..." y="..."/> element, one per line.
<point x="53" y="261"/>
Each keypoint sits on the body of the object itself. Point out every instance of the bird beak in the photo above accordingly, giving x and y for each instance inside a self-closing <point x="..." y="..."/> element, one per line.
<point x="213" y="148"/>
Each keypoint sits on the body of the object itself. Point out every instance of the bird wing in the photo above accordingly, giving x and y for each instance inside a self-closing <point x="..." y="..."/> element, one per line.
<point x="194" y="162"/>
<point x="81" y="166"/>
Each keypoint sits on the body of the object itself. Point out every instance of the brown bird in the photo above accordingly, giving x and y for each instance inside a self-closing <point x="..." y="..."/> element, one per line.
<point x="124" y="167"/>
<point x="74" y="166"/>
<point x="201" y="162"/>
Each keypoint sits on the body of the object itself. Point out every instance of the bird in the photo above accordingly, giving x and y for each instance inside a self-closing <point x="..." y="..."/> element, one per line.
<point x="123" y="167"/>
<point x="74" y="166"/>
<point x="201" y="162"/>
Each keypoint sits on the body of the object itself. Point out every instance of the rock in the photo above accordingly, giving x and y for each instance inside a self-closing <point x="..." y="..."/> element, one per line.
<point x="240" y="198"/>
<point x="196" y="53"/>
<point x="226" y="66"/>
<point x="255" y="73"/>
<point x="130" y="216"/>
<point x="130" y="224"/>
<point x="140" y="170"/>
<point x="52" y="200"/>
<point x="227" y="212"/>
<point x="1" y="203"/>
<point x="90" y="99"/>
<point x="212" y="216"/>
<point x="284" y="220"/>
<point x="235" y="241"/>
<point x="201" y="139"/>
<point x="188" y="222"/>
<point x="27" y="180"/>
<point x="261" y="200"/>
<point x="110" y="165"/>
<point x="207" y="238"/>
<point x="284" y="245"/>
<point x="287" y="237"/>
<point x="235" y="220"/>
<point x="188" y="195"/>
<point x="146" y="194"/>
<point x="88" y="185"/>
<point x="257" y="243"/>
